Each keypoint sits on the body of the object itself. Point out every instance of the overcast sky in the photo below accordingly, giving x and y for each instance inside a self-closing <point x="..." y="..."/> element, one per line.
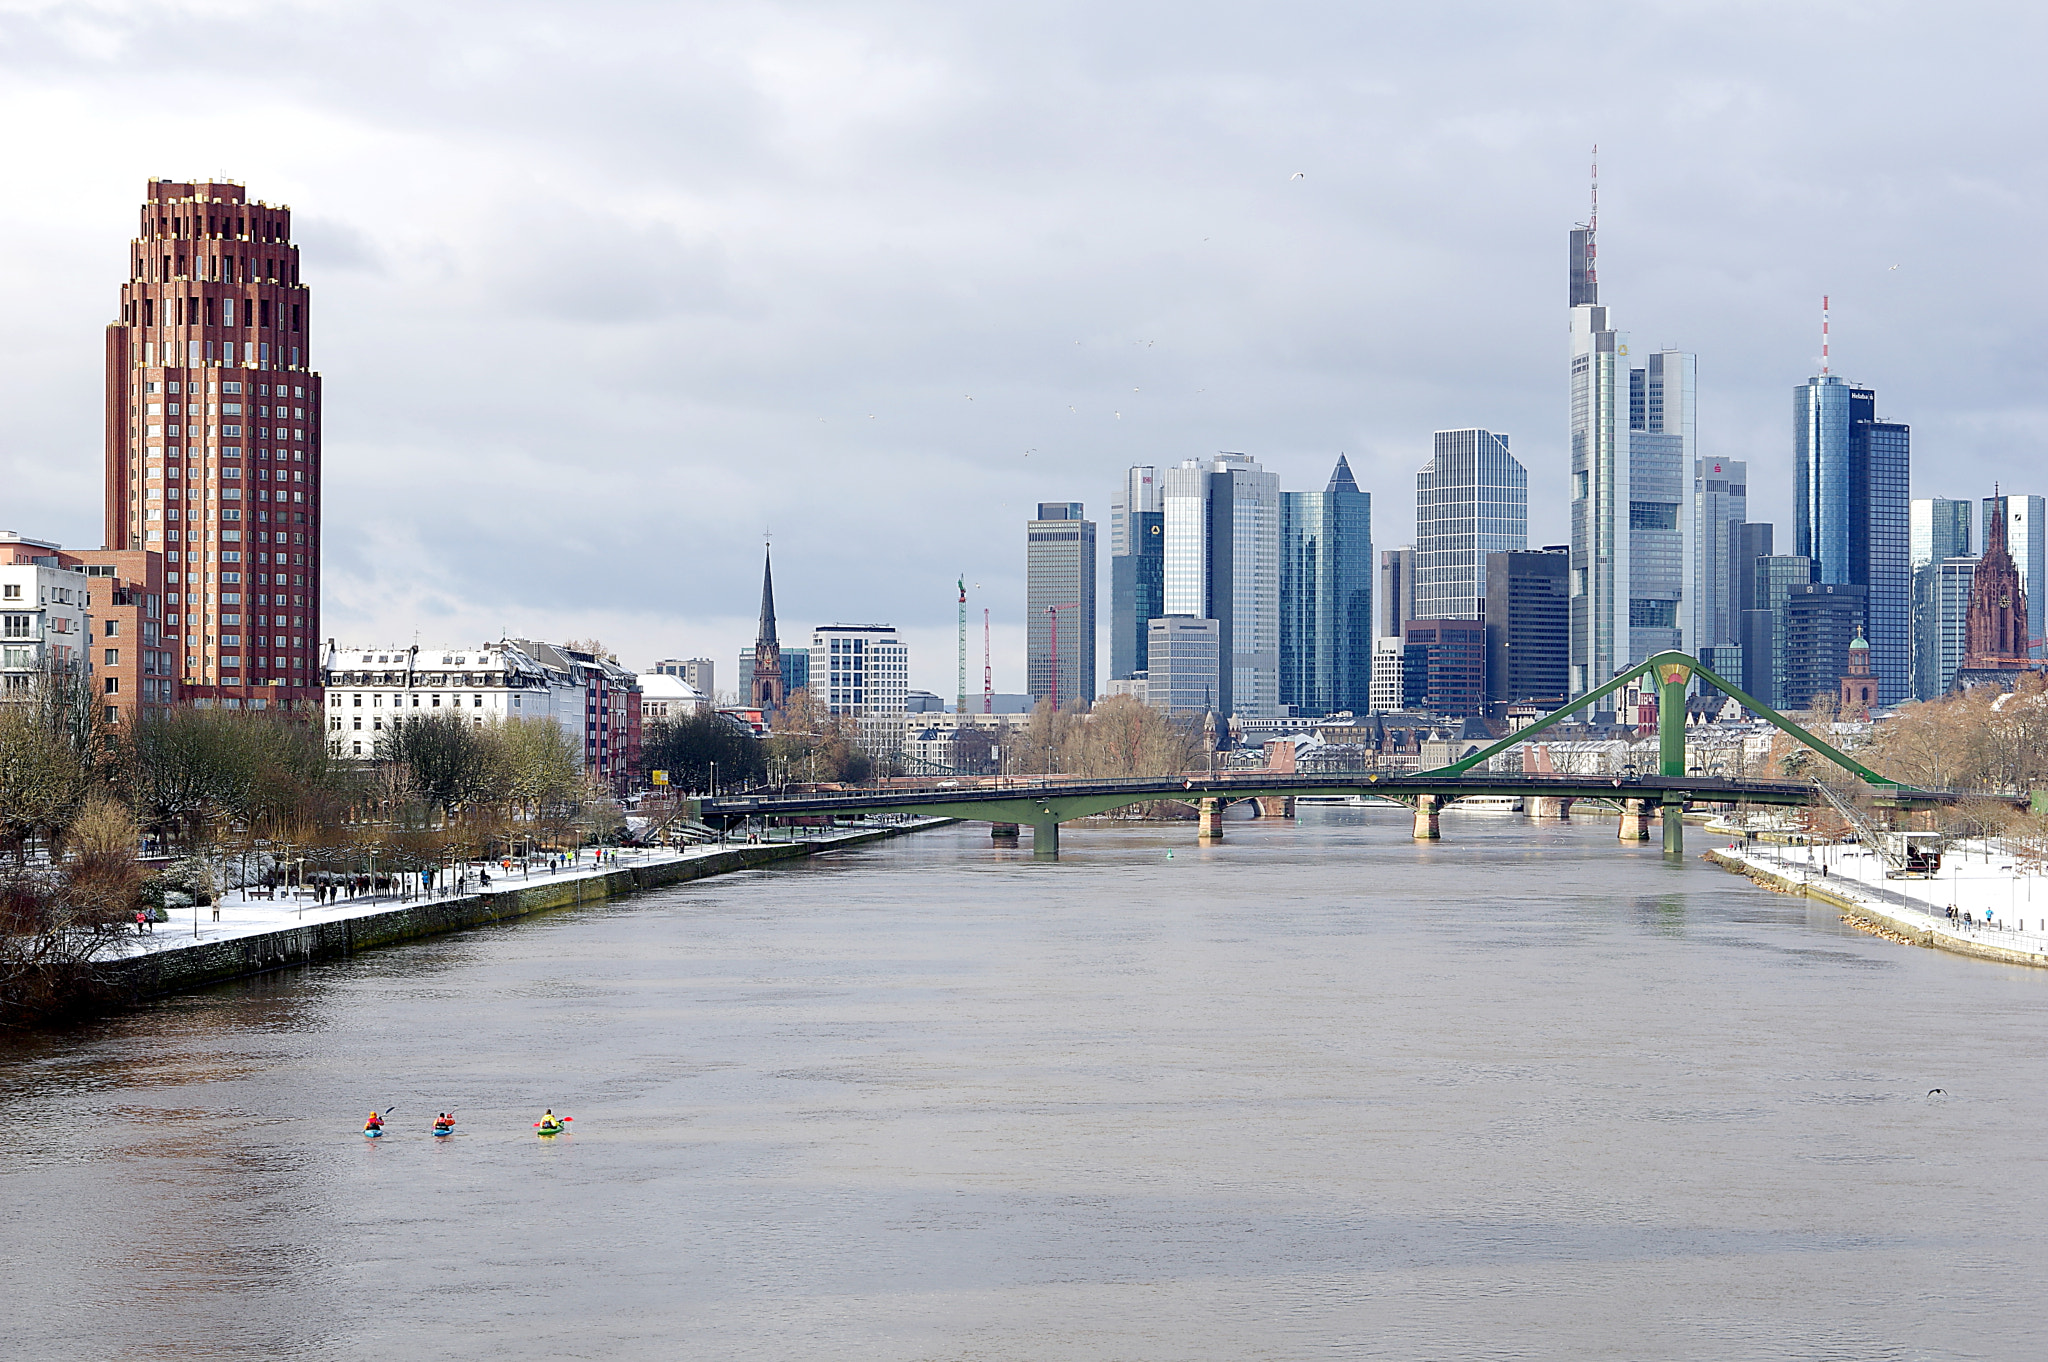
<point x="603" y="291"/>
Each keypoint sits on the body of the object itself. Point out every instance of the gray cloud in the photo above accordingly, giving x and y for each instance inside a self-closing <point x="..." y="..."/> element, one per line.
<point x="604" y="292"/>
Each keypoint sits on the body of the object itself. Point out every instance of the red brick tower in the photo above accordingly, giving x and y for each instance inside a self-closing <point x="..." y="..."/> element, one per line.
<point x="1995" y="630"/>
<point x="213" y="441"/>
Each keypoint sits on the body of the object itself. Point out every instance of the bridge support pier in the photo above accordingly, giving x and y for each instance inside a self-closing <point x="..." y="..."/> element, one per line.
<point x="1276" y="806"/>
<point x="1547" y="808"/>
<point x="1002" y="832"/>
<point x="1045" y="841"/>
<point x="1674" y="829"/>
<point x="1209" y="820"/>
<point x="1635" y="820"/>
<point x="1428" y="826"/>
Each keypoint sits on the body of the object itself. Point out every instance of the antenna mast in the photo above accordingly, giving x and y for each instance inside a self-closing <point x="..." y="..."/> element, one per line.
<point x="1824" y="335"/>
<point x="988" y="673"/>
<point x="1593" y="230"/>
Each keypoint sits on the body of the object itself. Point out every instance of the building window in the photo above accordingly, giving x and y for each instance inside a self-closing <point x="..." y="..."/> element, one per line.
<point x="113" y="657"/>
<point x="113" y="685"/>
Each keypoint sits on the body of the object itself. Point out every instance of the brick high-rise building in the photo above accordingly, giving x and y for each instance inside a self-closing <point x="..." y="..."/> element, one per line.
<point x="213" y="441"/>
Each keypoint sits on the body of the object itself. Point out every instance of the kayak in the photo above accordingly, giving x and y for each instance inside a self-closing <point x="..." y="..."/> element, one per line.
<point x="550" y="1130"/>
<point x="373" y="1132"/>
<point x="443" y="1132"/>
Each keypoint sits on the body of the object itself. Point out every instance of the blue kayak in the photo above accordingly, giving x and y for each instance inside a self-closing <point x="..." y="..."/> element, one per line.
<point x="442" y="1133"/>
<point x="373" y="1132"/>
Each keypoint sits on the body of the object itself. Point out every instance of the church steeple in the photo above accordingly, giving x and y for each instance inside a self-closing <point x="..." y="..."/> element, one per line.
<point x="767" y="634"/>
<point x="1995" y="631"/>
<point x="766" y="690"/>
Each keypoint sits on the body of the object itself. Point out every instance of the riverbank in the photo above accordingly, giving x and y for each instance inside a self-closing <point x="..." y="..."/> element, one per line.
<point x="2006" y="923"/>
<point x="255" y="935"/>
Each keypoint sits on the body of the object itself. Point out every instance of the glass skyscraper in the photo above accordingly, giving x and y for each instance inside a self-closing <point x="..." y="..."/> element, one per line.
<point x="1850" y="514"/>
<point x="1326" y="572"/>
<point x="1633" y="449"/>
<point x="1059" y="594"/>
<point x="1720" y="502"/>
<point x="1938" y="530"/>
<point x="1471" y="499"/>
<point x="1137" y="561"/>
<point x="1222" y="532"/>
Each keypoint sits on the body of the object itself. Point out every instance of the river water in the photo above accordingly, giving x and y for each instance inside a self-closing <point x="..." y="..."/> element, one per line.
<point x="1318" y="1092"/>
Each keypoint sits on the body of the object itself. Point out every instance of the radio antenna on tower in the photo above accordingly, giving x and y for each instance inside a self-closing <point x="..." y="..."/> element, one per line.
<point x="988" y="672"/>
<point x="1824" y="336"/>
<point x="1593" y="226"/>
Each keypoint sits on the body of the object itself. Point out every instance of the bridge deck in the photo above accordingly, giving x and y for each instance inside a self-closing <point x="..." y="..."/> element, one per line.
<point x="1052" y="799"/>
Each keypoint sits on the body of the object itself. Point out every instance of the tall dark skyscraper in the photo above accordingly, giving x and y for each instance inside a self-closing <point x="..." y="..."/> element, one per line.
<point x="1821" y="620"/>
<point x="1326" y="572"/>
<point x="1137" y="570"/>
<point x="1850" y="513"/>
<point x="213" y="440"/>
<point x="1528" y="626"/>
<point x="1059" y="594"/>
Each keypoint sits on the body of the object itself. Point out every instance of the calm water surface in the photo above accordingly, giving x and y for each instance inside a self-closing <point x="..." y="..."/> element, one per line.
<point x="1318" y="1092"/>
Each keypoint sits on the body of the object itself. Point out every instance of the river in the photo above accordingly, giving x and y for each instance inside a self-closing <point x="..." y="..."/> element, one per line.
<point x="1317" y="1092"/>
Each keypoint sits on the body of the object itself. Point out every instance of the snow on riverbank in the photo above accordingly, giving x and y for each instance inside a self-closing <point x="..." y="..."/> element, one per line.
<point x="2007" y="905"/>
<point x="248" y="913"/>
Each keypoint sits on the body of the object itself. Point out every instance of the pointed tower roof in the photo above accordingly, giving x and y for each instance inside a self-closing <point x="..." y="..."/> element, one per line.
<point x="767" y="598"/>
<point x="1341" y="479"/>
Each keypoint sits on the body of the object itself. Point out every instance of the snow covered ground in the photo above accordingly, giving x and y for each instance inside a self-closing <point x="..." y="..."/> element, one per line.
<point x="246" y="913"/>
<point x="2007" y="904"/>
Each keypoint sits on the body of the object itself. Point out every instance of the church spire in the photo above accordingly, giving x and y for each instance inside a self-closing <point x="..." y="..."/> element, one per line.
<point x="766" y="689"/>
<point x="767" y="633"/>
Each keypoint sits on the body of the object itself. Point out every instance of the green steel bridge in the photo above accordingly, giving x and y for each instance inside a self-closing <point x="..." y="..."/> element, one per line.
<point x="1046" y="802"/>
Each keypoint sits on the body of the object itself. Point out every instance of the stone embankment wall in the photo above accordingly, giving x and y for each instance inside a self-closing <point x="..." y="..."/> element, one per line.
<point x="176" y="968"/>
<point x="1870" y="918"/>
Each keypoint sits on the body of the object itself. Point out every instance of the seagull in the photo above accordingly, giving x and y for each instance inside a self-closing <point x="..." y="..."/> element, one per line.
<point x="1029" y="452"/>
<point x="968" y="396"/>
<point x="1119" y="416"/>
<point x="1299" y="175"/>
<point x="1895" y="267"/>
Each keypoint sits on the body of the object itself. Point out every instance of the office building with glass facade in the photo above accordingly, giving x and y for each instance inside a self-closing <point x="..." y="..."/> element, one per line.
<point x="1137" y="565"/>
<point x="1941" y="614"/>
<point x="1059" y="605"/>
<point x="1528" y="627"/>
<point x="1633" y="450"/>
<point x="1184" y="677"/>
<point x="1394" y="602"/>
<point x="1471" y="499"/>
<point x="1326" y="572"/>
<point x="1821" y="620"/>
<point x="1851" y="514"/>
<point x="1763" y="628"/>
<point x="1720" y="503"/>
<point x="1222" y="563"/>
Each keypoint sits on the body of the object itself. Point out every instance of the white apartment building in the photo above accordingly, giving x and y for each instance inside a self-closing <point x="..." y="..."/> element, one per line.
<point x="43" y="621"/>
<point x="1389" y="674"/>
<point x="863" y="670"/>
<point x="668" y="697"/>
<point x="596" y="701"/>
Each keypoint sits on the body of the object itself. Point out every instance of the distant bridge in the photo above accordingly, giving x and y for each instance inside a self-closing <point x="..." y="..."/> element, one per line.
<point x="1050" y="801"/>
<point x="1045" y="803"/>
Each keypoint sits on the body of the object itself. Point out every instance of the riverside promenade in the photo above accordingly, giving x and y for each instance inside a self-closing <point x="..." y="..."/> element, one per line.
<point x="2006" y="901"/>
<point x="255" y="934"/>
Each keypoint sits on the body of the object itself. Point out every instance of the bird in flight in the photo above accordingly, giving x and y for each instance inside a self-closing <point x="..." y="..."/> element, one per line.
<point x="968" y="396"/>
<point x="1299" y="175"/>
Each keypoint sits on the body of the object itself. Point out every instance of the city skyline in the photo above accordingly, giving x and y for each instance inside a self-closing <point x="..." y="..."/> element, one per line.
<point x="1188" y="292"/>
